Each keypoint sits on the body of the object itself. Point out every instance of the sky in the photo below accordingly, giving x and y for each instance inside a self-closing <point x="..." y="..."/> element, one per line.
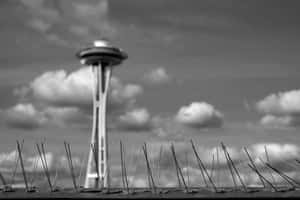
<point x="210" y="71"/>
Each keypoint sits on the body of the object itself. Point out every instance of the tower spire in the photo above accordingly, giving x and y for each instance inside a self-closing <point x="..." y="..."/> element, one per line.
<point x="101" y="57"/>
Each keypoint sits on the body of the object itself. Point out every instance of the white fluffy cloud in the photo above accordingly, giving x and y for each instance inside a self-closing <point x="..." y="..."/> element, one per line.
<point x="199" y="114"/>
<point x="157" y="76"/>
<point x="59" y="88"/>
<point x="281" y="109"/>
<point x="66" y="115"/>
<point x="282" y="103"/>
<point x="24" y="116"/>
<point x="27" y="116"/>
<point x="136" y="119"/>
<point x="277" y="152"/>
<point x="60" y="98"/>
<point x="277" y="121"/>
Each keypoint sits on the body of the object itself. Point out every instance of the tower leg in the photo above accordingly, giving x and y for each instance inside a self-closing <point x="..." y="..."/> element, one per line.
<point x="98" y="176"/>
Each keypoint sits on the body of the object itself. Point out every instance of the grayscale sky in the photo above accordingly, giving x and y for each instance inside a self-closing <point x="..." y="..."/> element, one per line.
<point x="210" y="71"/>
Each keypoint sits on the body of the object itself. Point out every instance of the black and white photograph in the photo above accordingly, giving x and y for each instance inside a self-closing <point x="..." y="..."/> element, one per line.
<point x="149" y="99"/>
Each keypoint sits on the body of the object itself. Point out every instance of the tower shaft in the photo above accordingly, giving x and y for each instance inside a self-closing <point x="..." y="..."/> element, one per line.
<point x="97" y="174"/>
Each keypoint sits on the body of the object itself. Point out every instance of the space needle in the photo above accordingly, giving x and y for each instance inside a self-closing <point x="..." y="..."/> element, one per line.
<point x="101" y="57"/>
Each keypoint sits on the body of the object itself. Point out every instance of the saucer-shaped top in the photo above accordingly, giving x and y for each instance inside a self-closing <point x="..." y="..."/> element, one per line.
<point x="101" y="53"/>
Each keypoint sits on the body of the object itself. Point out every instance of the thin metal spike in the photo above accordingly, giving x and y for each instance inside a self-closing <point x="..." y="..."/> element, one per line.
<point x="22" y="166"/>
<point x="122" y="167"/>
<point x="235" y="169"/>
<point x="43" y="164"/>
<point x="204" y="168"/>
<point x="253" y="164"/>
<point x="229" y="165"/>
<point x="187" y="168"/>
<point x="34" y="174"/>
<point x="237" y="172"/>
<point x="3" y="180"/>
<point x="199" y="164"/>
<point x="125" y="169"/>
<point x="55" y="177"/>
<point x="159" y="162"/>
<point x="16" y="163"/>
<point x="290" y="180"/>
<point x="179" y="168"/>
<point x="68" y="152"/>
<point x="81" y="168"/>
<point x="218" y="168"/>
<point x="268" y="159"/>
<point x="212" y="166"/>
<point x="149" y="168"/>
<point x="258" y="173"/>
<point x="46" y="166"/>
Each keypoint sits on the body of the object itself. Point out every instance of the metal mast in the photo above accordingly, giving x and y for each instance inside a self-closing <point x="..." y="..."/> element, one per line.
<point x="101" y="57"/>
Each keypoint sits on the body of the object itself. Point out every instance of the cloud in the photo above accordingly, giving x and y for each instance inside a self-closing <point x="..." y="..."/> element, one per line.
<point x="137" y="119"/>
<point x="24" y="116"/>
<point x="100" y="9"/>
<point x="279" y="121"/>
<point x="200" y="115"/>
<point x="28" y="117"/>
<point x="277" y="152"/>
<point x="66" y="116"/>
<point x="60" y="89"/>
<point x="39" y="25"/>
<point x="61" y="98"/>
<point x="157" y="76"/>
<point x="282" y="103"/>
<point x="81" y="20"/>
<point x="281" y="109"/>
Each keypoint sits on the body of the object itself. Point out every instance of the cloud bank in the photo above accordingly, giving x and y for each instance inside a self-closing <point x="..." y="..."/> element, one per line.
<point x="24" y="116"/>
<point x="281" y="109"/>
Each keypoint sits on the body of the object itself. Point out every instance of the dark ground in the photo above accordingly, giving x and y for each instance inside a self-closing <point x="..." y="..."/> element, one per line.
<point x="146" y="193"/>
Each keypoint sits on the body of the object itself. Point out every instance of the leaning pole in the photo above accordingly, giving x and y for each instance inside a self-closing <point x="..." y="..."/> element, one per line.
<point x="101" y="57"/>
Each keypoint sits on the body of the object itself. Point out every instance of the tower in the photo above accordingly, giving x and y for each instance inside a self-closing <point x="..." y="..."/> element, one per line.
<point x="101" y="57"/>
